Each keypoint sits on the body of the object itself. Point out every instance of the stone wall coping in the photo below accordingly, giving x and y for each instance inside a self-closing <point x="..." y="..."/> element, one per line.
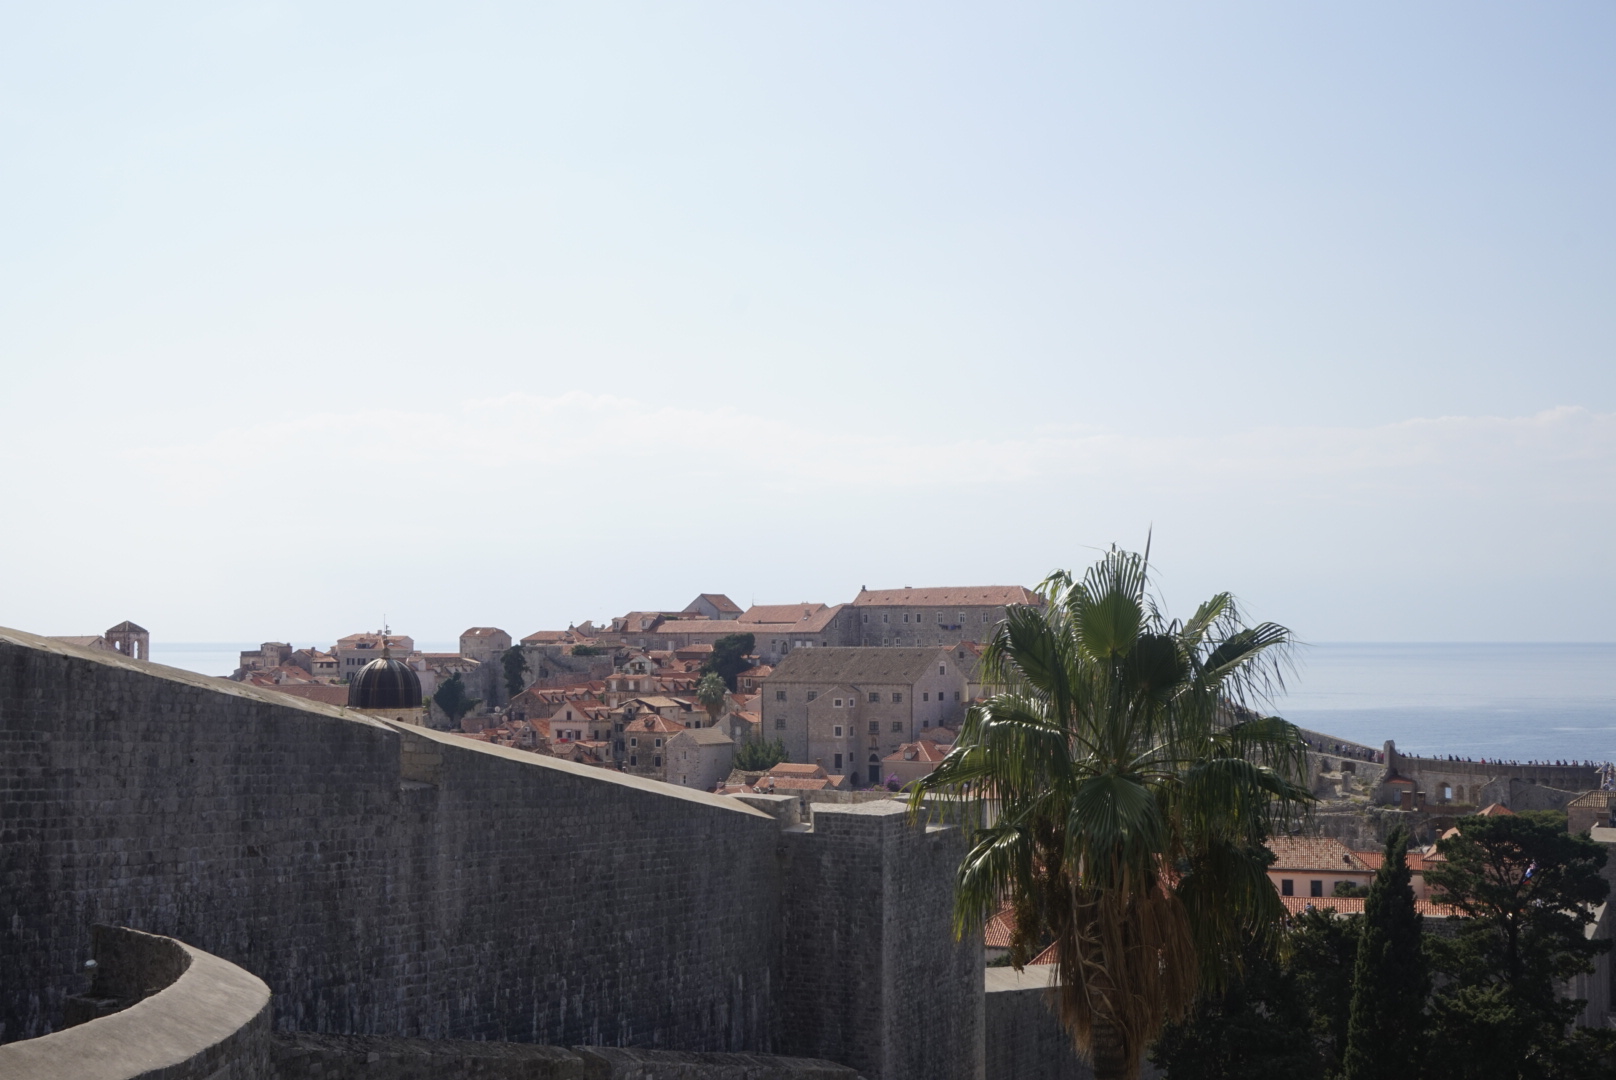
<point x="207" y="1005"/>
<point x="997" y="980"/>
<point x="461" y="744"/>
<point x="26" y="640"/>
<point x="214" y="683"/>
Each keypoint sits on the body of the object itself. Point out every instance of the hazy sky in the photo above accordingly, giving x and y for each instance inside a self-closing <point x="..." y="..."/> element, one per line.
<point x="518" y="314"/>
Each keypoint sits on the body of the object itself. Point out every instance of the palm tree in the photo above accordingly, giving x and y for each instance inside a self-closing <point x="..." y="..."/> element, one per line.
<point x="712" y="693"/>
<point x="1117" y="790"/>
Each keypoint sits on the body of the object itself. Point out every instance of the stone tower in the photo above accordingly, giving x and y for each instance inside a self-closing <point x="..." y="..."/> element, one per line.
<point x="131" y="640"/>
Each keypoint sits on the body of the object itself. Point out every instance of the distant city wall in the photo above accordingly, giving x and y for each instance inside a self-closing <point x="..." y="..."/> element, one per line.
<point x="1475" y="783"/>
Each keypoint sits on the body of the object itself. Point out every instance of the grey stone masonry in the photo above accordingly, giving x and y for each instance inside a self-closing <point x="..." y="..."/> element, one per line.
<point x="381" y="880"/>
<point x="871" y="973"/>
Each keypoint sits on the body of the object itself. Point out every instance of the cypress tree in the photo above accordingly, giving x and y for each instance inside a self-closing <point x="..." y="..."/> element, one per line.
<point x="1386" y="1028"/>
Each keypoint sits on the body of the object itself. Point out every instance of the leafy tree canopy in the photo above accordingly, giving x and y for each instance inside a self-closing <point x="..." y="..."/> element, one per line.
<point x="514" y="661"/>
<point x="758" y="754"/>
<point x="729" y="657"/>
<point x="1527" y="889"/>
<point x="453" y="699"/>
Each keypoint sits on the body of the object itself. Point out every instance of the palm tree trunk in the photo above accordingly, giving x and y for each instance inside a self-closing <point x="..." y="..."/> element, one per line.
<point x="1111" y="1057"/>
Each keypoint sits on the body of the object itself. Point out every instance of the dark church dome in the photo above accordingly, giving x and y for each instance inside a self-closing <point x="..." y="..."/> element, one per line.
<point x="385" y="683"/>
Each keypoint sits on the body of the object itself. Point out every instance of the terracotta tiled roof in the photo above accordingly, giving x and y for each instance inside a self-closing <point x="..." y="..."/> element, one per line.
<point x="793" y="783"/>
<point x="996" y="934"/>
<point x="781" y="614"/>
<point x="653" y="723"/>
<point x="1046" y="957"/>
<point x="788" y="768"/>
<point x="1373" y="859"/>
<point x="948" y="596"/>
<point x="855" y="665"/>
<point x="1354" y="905"/>
<point x="924" y="750"/>
<point x="719" y="601"/>
<point x="1314" y="853"/>
<point x="1496" y="809"/>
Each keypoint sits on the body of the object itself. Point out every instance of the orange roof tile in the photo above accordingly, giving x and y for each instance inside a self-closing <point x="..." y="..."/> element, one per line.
<point x="1354" y="905"/>
<point x="1314" y="853"/>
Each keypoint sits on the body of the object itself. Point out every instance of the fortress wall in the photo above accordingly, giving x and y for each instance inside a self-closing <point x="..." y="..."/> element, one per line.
<point x="181" y="1014"/>
<point x="459" y="890"/>
<point x="871" y="974"/>
<point x="1476" y="783"/>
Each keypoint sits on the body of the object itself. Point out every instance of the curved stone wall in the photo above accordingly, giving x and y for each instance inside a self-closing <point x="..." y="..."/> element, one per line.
<point x="190" y="1014"/>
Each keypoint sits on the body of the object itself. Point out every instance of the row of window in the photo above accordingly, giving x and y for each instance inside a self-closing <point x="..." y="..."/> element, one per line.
<point x="875" y="698"/>
<point x="634" y="741"/>
<point x="941" y="618"/>
<point x="1287" y="887"/>
<point x="875" y="727"/>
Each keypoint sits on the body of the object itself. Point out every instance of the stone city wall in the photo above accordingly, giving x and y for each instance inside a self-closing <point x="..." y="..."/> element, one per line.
<point x="871" y="971"/>
<point x="395" y="881"/>
<point x="162" y="1011"/>
<point x="461" y="890"/>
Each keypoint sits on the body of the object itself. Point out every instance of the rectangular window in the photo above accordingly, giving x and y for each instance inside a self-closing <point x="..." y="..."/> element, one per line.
<point x="866" y="616"/>
<point x="897" y="726"/>
<point x="633" y="759"/>
<point x="875" y="727"/>
<point x="837" y="703"/>
<point x="779" y="723"/>
<point x="838" y="730"/>
<point x="906" y="616"/>
<point x="886" y="618"/>
<point x="940" y="618"/>
<point x="941" y="670"/>
<point x="926" y="696"/>
<point x="779" y="695"/>
<point x="659" y="744"/>
<point x="956" y="695"/>
<point x="897" y="698"/>
<point x="812" y="694"/>
<point x="925" y="723"/>
<point x="838" y="763"/>
<point x="984" y="616"/>
<point x="1315" y="888"/>
<point x="633" y="741"/>
<point x="1287" y="887"/>
<point x="962" y="618"/>
<point x="657" y="761"/>
<point x="875" y="697"/>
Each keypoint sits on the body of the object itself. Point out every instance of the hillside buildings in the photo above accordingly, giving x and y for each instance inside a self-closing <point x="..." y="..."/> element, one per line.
<point x="844" y="709"/>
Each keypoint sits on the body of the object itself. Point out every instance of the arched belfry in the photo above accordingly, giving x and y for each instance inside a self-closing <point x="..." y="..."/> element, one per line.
<point x="131" y="640"/>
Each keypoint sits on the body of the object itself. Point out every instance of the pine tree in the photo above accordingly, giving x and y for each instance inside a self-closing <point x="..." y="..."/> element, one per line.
<point x="1386" y="1030"/>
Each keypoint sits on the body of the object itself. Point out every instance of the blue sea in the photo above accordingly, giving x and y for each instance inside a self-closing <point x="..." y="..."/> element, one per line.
<point x="1491" y="700"/>
<point x="1506" y="701"/>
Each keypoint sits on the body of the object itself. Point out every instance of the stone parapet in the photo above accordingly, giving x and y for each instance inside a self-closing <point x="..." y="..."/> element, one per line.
<point x="167" y="1012"/>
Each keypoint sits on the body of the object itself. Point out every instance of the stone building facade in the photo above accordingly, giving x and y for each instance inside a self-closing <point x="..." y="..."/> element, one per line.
<point x="846" y="709"/>
<point x="933" y="616"/>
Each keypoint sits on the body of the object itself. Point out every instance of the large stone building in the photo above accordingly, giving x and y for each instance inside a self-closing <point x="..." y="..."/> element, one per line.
<point x="845" y="709"/>
<point x="933" y="616"/>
